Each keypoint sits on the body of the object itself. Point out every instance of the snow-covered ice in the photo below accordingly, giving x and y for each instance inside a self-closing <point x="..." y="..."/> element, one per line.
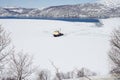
<point x="83" y="45"/>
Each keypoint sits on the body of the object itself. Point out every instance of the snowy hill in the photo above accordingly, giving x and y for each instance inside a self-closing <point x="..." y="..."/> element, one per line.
<point x="14" y="12"/>
<point x="81" y="10"/>
<point x="89" y="10"/>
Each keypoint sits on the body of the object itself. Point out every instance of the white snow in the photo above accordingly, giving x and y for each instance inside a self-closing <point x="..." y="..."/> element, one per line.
<point x="83" y="45"/>
<point x="110" y="3"/>
<point x="19" y="11"/>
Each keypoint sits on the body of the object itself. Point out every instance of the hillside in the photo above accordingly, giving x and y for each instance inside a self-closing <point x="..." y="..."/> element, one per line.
<point x="87" y="10"/>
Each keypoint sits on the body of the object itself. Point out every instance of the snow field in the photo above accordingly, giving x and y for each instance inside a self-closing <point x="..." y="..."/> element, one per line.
<point x="83" y="45"/>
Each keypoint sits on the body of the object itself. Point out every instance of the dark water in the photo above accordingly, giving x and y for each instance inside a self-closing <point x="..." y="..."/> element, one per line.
<point x="91" y="20"/>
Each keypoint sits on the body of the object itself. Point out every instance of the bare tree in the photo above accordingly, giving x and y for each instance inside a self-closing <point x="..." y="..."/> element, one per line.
<point x="60" y="75"/>
<point x="21" y="66"/>
<point x="67" y="75"/>
<point x="114" y="53"/>
<point x="44" y="75"/>
<point x="70" y="74"/>
<point x="57" y="73"/>
<point x="5" y="48"/>
<point x="84" y="72"/>
<point x="80" y="73"/>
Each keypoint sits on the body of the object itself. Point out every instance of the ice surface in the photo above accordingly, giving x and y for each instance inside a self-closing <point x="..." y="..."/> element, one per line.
<point x="83" y="44"/>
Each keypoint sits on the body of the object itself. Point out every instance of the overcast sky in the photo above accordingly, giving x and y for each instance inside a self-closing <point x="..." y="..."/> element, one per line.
<point x="39" y="3"/>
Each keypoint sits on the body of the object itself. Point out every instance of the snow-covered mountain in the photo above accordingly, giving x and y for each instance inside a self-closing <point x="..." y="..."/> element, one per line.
<point x="14" y="12"/>
<point x="80" y="10"/>
<point x="88" y="10"/>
